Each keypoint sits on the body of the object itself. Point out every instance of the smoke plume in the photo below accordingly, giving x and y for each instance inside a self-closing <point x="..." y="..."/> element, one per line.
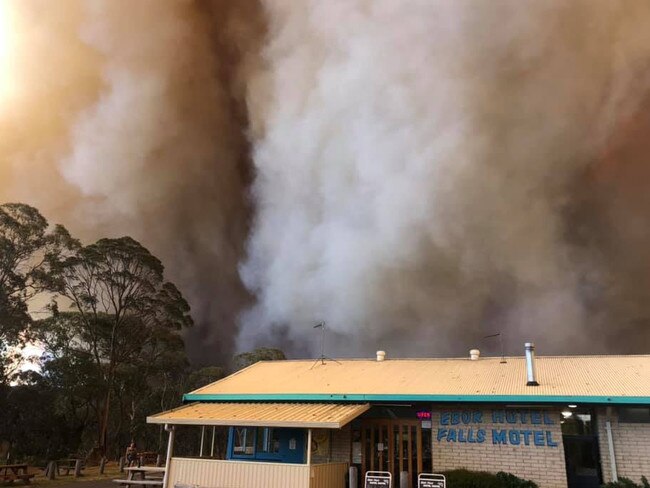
<point x="417" y="174"/>
<point x="418" y="164"/>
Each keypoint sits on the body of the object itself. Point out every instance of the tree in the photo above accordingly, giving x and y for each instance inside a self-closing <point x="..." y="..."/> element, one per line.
<point x="27" y="252"/>
<point x="31" y="425"/>
<point x="204" y="376"/>
<point x="245" y="359"/>
<point x="123" y="317"/>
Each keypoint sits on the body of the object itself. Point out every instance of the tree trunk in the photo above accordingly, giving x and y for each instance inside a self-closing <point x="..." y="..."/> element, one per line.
<point x="103" y="425"/>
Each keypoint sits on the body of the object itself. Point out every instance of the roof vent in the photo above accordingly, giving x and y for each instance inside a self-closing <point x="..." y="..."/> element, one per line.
<point x="381" y="355"/>
<point x="474" y="354"/>
<point x="531" y="374"/>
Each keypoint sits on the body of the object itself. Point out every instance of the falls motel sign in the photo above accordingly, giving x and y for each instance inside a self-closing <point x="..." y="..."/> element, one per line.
<point x="515" y="428"/>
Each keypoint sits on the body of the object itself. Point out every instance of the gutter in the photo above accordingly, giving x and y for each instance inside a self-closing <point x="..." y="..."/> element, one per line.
<point x="355" y="398"/>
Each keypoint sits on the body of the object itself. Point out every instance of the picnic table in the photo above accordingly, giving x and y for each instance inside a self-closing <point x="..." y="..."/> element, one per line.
<point x="147" y="457"/>
<point x="12" y="472"/>
<point x="149" y="476"/>
<point x="67" y="465"/>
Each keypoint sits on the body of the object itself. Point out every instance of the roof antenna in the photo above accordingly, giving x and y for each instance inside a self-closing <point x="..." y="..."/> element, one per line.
<point x="322" y="358"/>
<point x="503" y="355"/>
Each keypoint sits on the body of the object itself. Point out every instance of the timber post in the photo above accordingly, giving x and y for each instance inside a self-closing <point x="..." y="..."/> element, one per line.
<point x="77" y="468"/>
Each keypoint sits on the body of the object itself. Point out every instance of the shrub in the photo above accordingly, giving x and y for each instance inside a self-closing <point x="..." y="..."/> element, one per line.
<point x="509" y="480"/>
<point x="627" y="483"/>
<point x="462" y="478"/>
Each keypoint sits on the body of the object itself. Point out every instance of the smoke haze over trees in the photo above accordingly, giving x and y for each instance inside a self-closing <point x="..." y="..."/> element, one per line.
<point x="415" y="174"/>
<point x="111" y="340"/>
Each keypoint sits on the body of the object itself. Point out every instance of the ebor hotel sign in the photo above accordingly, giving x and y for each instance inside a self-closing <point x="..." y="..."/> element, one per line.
<point x="510" y="427"/>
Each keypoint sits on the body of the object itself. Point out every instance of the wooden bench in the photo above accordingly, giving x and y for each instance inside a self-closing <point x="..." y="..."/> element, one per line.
<point x="143" y="471"/>
<point x="26" y="478"/>
<point x="12" y="472"/>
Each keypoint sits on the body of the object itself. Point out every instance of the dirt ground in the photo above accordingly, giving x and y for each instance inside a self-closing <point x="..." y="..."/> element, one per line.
<point x="90" y="478"/>
<point x="78" y="483"/>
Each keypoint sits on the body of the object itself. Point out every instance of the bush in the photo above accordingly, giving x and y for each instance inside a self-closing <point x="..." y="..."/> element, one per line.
<point x="627" y="483"/>
<point x="462" y="478"/>
<point x="511" y="481"/>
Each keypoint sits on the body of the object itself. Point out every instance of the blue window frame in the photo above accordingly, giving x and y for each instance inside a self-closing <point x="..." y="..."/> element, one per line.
<point x="266" y="444"/>
<point x="243" y="442"/>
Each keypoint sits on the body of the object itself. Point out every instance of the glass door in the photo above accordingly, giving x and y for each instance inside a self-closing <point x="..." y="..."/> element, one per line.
<point x="393" y="446"/>
<point x="581" y="448"/>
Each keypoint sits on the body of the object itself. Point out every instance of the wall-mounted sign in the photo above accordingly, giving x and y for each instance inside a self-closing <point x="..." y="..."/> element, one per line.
<point x="356" y="453"/>
<point x="521" y="428"/>
<point x="423" y="415"/>
<point x="320" y="443"/>
<point x="432" y="480"/>
<point x="378" y="479"/>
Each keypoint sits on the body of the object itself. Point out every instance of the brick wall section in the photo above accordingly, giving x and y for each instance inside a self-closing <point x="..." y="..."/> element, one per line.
<point x="339" y="446"/>
<point x="631" y="447"/>
<point x="341" y="442"/>
<point x="544" y="465"/>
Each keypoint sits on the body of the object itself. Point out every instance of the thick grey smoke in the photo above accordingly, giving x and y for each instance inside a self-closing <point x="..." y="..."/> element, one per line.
<point x="418" y="162"/>
<point x="418" y="174"/>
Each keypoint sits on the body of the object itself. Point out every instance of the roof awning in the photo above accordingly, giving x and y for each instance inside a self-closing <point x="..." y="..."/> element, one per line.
<point x="305" y="415"/>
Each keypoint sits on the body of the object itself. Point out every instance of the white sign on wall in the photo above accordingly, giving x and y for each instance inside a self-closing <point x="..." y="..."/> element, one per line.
<point x="378" y="479"/>
<point x="432" y="480"/>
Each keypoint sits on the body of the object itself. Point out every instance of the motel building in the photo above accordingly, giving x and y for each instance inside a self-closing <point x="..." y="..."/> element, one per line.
<point x="575" y="421"/>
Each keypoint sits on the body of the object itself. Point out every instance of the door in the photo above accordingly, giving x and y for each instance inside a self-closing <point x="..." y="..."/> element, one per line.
<point x="392" y="445"/>
<point x="582" y="467"/>
<point x="581" y="453"/>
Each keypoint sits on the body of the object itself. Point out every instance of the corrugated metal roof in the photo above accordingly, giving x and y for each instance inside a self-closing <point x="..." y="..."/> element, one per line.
<point x="617" y="379"/>
<point x="306" y="415"/>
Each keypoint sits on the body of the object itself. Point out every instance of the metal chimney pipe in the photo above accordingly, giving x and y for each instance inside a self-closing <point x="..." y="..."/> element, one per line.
<point x="531" y="374"/>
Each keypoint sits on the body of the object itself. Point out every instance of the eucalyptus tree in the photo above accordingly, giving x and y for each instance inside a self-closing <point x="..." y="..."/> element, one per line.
<point x="123" y="318"/>
<point x="28" y="250"/>
<point x="245" y="359"/>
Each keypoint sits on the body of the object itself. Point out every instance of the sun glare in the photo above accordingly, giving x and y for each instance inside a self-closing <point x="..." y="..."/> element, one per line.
<point x="7" y="48"/>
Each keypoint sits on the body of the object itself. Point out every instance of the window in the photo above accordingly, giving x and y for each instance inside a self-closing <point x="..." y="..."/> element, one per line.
<point x="268" y="440"/>
<point x="266" y="444"/>
<point x="257" y="443"/>
<point x="634" y="415"/>
<point x="243" y="441"/>
<point x="577" y="422"/>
